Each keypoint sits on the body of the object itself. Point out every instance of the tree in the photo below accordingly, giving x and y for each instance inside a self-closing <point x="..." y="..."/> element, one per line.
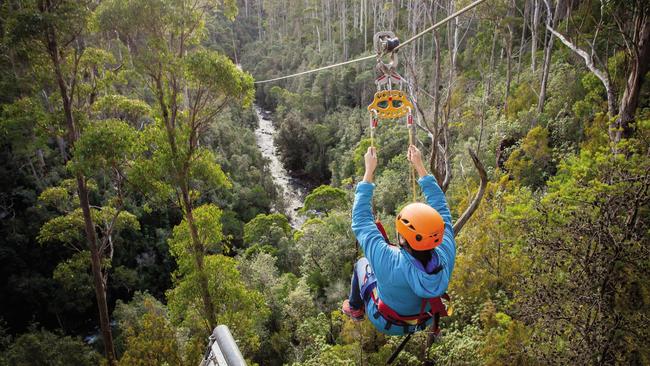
<point x="242" y="309"/>
<point x="272" y="234"/>
<point x="327" y="248"/>
<point x="148" y="335"/>
<point x="628" y="21"/>
<point x="43" y="348"/>
<point x="588" y="272"/>
<point x="191" y="86"/>
<point x="266" y="229"/>
<point x="324" y="199"/>
<point x="531" y="162"/>
<point x="57" y="32"/>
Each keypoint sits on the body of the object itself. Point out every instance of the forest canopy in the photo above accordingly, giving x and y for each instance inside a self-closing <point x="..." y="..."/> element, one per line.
<point x="139" y="209"/>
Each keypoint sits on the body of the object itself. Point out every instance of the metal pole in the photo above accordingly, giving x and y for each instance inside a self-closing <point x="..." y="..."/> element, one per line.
<point x="228" y="346"/>
<point x="222" y="349"/>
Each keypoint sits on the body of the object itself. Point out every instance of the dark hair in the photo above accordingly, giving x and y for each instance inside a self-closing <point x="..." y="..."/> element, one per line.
<point x="424" y="256"/>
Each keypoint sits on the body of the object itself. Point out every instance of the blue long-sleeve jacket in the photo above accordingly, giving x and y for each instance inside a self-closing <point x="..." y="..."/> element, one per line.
<point x="402" y="282"/>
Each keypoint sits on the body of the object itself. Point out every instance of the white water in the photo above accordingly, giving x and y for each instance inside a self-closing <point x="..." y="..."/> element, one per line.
<point x="292" y="193"/>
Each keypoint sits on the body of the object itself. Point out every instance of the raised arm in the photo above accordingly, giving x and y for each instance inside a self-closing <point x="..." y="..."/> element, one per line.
<point x="432" y="192"/>
<point x="436" y="199"/>
<point x="363" y="223"/>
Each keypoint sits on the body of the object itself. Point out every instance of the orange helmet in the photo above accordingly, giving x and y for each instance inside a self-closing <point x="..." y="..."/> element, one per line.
<point x="421" y="225"/>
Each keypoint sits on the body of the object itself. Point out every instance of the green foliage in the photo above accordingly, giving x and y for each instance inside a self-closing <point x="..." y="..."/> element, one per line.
<point x="149" y="337"/>
<point x="68" y="228"/>
<point x="508" y="346"/>
<point x="157" y="172"/>
<point x="298" y="305"/>
<point x="122" y="108"/>
<point x="24" y="125"/>
<point x="266" y="229"/>
<point x="393" y="185"/>
<point x="242" y="309"/>
<point x="260" y="273"/>
<point x="253" y="191"/>
<point x="220" y="76"/>
<point x="318" y="351"/>
<point x="207" y="219"/>
<point x="44" y="348"/>
<point x="459" y="347"/>
<point x="66" y="18"/>
<point x="104" y="146"/>
<point x="327" y="248"/>
<point x="585" y="249"/>
<point x="531" y="163"/>
<point x="5" y="338"/>
<point x="162" y="140"/>
<point x="324" y="199"/>
<point x="76" y="280"/>
<point x="57" y="197"/>
<point x="489" y="257"/>
<point x="272" y="234"/>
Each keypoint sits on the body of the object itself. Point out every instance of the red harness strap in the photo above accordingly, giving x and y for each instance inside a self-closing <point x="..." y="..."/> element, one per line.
<point x="381" y="229"/>
<point x="436" y="304"/>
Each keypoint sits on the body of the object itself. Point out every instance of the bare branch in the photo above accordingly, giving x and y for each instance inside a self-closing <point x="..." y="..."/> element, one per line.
<point x="458" y="226"/>
<point x="589" y="61"/>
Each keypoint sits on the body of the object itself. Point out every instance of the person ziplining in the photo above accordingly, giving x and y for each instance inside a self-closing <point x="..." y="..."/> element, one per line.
<point x="400" y="287"/>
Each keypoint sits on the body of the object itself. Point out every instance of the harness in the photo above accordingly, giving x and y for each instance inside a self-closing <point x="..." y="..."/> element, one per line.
<point x="410" y="323"/>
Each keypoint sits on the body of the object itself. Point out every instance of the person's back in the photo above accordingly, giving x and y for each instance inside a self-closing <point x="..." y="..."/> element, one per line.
<point x="393" y="274"/>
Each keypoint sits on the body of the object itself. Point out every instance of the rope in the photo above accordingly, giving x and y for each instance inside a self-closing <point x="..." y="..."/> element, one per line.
<point x="373" y="57"/>
<point x="412" y="169"/>
<point x="412" y="131"/>
<point x="373" y="124"/>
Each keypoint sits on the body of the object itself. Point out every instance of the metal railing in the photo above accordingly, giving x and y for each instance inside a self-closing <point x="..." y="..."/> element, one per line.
<point x="222" y="349"/>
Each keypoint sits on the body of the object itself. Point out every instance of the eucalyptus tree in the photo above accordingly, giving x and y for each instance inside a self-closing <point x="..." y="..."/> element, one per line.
<point x="626" y="23"/>
<point x="190" y="85"/>
<point x="70" y="74"/>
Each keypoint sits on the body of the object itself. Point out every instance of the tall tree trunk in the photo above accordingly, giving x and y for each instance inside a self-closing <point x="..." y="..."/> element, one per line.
<point x="508" y="68"/>
<point x="601" y="74"/>
<point x="551" y="21"/>
<point x="492" y="63"/>
<point x="436" y="110"/>
<point x="96" y="266"/>
<point x="365" y="24"/>
<point x="198" y="252"/>
<point x="260" y="12"/>
<point x="82" y="190"/>
<point x="522" y="41"/>
<point x="344" y="26"/>
<point x="623" y="126"/>
<point x="534" y="35"/>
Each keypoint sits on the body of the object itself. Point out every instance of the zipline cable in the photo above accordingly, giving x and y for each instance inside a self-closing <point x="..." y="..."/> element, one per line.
<point x="373" y="57"/>
<point x="452" y="16"/>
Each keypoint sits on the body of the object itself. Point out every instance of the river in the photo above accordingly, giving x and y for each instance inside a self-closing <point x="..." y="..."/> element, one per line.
<point x="292" y="191"/>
